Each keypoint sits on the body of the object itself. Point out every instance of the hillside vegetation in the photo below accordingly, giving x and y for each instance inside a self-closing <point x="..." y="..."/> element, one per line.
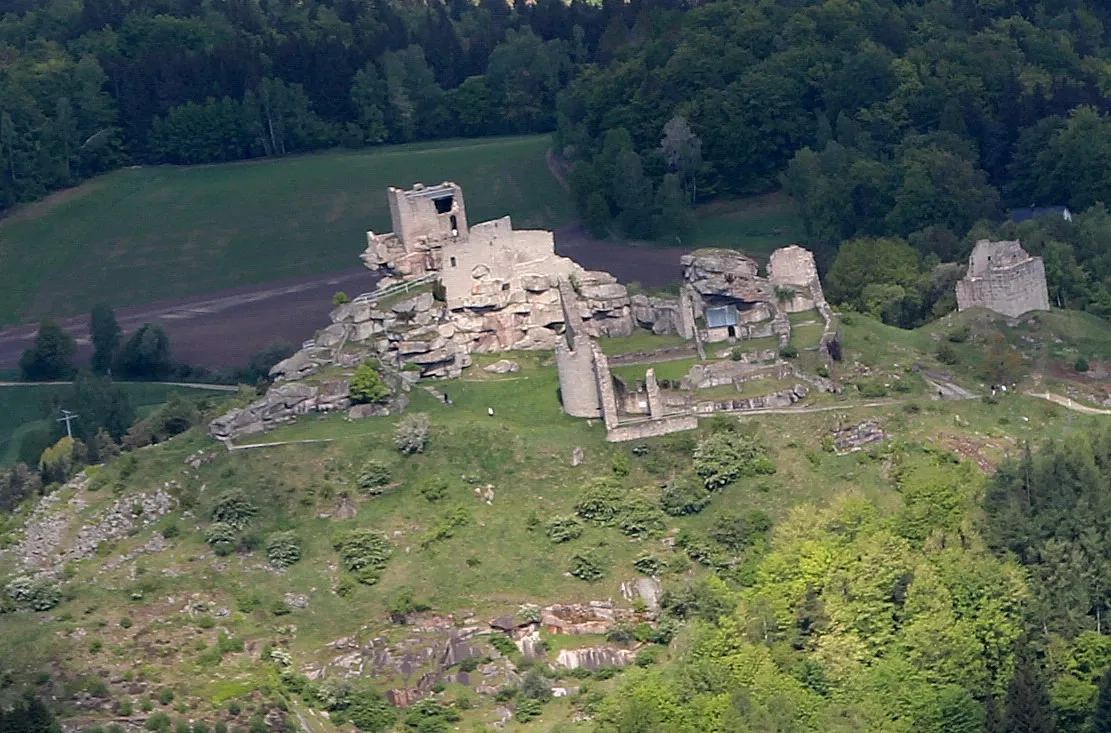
<point x="802" y="588"/>
<point x="145" y="234"/>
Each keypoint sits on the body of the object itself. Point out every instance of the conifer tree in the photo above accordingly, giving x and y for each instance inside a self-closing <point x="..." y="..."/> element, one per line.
<point x="1028" y="709"/>
<point x="1101" y="719"/>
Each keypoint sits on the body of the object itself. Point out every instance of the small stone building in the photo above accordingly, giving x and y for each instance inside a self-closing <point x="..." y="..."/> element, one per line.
<point x="1004" y="278"/>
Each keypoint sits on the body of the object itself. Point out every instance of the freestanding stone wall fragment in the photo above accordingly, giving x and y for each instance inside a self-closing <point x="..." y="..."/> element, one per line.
<point x="1003" y="278"/>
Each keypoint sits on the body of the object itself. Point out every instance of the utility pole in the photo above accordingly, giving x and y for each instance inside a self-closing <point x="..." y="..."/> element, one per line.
<point x="67" y="418"/>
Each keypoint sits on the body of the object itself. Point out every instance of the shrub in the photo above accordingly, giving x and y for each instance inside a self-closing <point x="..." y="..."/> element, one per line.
<point x="621" y="465"/>
<point x="683" y="496"/>
<point x="958" y="335"/>
<point x="363" y="552"/>
<point x="171" y="530"/>
<point x="370" y="712"/>
<point x="601" y="503"/>
<point x="160" y="721"/>
<point x="367" y="385"/>
<point x="1081" y="365"/>
<point x="445" y="529"/>
<point x="340" y="298"/>
<point x="535" y="686"/>
<point x="650" y="564"/>
<point x="788" y="352"/>
<point x="283" y="549"/>
<point x="36" y="594"/>
<point x="724" y="457"/>
<point x="736" y="531"/>
<point x="374" y="477"/>
<point x="946" y="354"/>
<point x="166" y="695"/>
<point x="639" y="518"/>
<point x="648" y="656"/>
<point x="527" y="709"/>
<point x="564" y="529"/>
<point x="586" y="566"/>
<point x="434" y="489"/>
<point x="234" y="509"/>
<point x="503" y="644"/>
<point x="470" y="664"/>
<point x="411" y="435"/>
<point x="222" y="537"/>
<point x="124" y="709"/>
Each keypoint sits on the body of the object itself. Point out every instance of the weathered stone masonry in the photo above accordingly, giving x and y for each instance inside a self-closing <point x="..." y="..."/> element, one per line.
<point x="1003" y="278"/>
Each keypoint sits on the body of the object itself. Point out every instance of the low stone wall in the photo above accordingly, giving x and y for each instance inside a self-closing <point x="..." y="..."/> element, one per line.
<point x="651" y="428"/>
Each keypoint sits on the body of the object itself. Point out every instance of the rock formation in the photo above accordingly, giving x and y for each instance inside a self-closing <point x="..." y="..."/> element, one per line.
<point x="1003" y="278"/>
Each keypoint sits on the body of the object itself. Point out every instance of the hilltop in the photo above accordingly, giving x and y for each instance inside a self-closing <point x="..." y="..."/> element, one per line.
<point x="494" y="519"/>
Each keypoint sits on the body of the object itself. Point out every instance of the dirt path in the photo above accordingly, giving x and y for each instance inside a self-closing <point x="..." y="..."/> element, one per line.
<point x="1069" y="403"/>
<point x="190" y="385"/>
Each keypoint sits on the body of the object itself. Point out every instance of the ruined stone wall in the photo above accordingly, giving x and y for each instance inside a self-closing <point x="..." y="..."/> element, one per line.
<point x="655" y="404"/>
<point x="651" y="428"/>
<point x="604" y="380"/>
<point x="1003" y="278"/>
<point x="496" y="266"/>
<point x="575" y="361"/>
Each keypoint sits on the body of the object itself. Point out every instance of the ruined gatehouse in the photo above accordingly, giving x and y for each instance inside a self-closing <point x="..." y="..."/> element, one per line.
<point x="1004" y="278"/>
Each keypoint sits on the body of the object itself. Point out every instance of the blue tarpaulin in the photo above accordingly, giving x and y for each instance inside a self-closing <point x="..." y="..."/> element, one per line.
<point x="721" y="316"/>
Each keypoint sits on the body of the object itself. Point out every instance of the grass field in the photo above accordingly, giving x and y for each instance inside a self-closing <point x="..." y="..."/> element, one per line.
<point x="149" y="233"/>
<point x="756" y="225"/>
<point x="25" y="407"/>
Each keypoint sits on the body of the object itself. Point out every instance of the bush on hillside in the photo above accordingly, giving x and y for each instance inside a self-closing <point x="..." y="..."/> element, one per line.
<point x="36" y="594"/>
<point x="234" y="509"/>
<point x="283" y="549"/>
<point x="222" y="537"/>
<point x="411" y="435"/>
<point x="586" y="566"/>
<point x="374" y="476"/>
<point x="602" y="502"/>
<point x="685" y="495"/>
<point x="564" y="529"/>
<point x="724" y="457"/>
<point x="367" y="385"/>
<point x="737" y="531"/>
<point x="363" y="552"/>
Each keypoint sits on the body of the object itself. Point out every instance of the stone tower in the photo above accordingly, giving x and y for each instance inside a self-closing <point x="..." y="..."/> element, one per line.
<point x="1002" y="277"/>
<point x="430" y="213"/>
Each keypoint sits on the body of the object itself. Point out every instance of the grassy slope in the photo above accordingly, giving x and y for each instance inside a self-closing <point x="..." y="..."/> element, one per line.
<point x="493" y="563"/>
<point x="24" y="407"/>
<point x="144" y="234"/>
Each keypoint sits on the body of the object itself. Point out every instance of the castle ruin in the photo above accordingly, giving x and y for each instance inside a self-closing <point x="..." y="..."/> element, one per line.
<point x="1004" y="278"/>
<point x="451" y="289"/>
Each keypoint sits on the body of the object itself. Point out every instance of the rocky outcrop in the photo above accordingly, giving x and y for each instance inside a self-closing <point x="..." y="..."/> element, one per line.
<point x="594" y="657"/>
<point x="857" y="437"/>
<point x="726" y="273"/>
<point x="502" y="366"/>
<point x="281" y="404"/>
<point x="597" y="617"/>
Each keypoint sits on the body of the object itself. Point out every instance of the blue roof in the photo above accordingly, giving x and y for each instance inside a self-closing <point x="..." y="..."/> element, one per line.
<point x="1037" y="212"/>
<point x="721" y="316"/>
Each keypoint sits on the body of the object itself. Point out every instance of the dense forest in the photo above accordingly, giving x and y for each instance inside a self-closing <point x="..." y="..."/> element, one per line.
<point x="980" y="605"/>
<point x="891" y="122"/>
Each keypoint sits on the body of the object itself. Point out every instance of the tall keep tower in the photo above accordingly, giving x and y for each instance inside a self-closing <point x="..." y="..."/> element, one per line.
<point x="431" y="213"/>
